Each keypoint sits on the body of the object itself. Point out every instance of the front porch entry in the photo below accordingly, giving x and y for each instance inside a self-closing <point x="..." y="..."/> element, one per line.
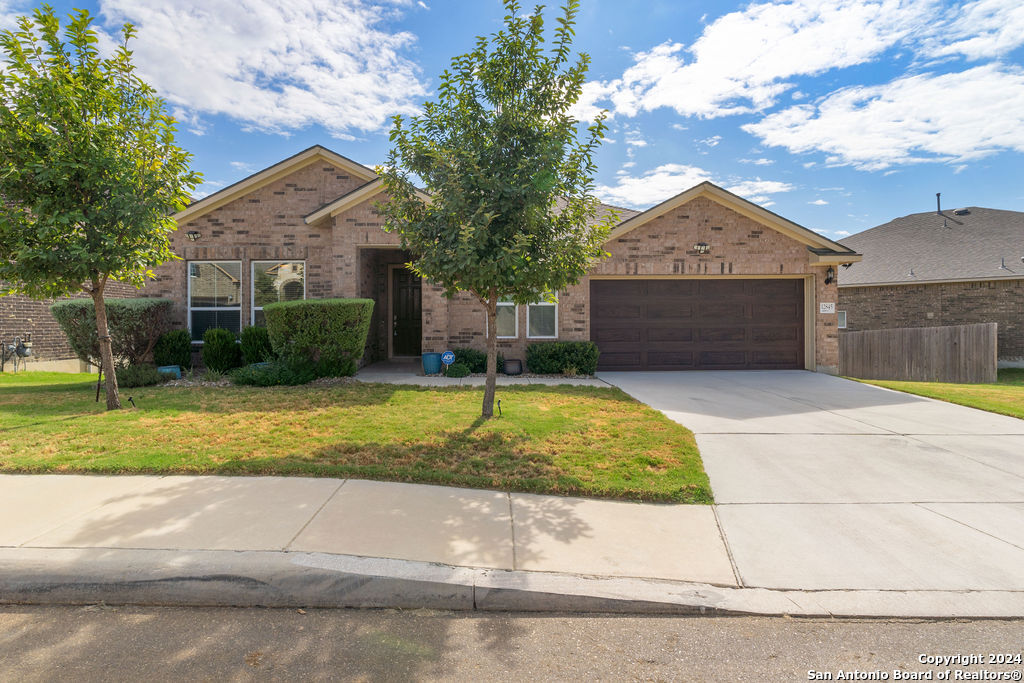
<point x="396" y="327"/>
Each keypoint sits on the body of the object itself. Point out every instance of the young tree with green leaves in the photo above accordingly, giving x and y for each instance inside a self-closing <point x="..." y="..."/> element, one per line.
<point x="89" y="172"/>
<point x="509" y="172"/>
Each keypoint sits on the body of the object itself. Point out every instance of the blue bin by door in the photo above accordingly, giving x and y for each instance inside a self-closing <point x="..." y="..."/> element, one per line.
<point x="431" y="363"/>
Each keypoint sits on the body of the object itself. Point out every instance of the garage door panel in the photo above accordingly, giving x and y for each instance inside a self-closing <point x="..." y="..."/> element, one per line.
<point x="673" y="288"/>
<point x="618" y="310"/>
<point x="698" y="324"/>
<point x="780" y="359"/>
<point x="670" y="334"/>
<point x="621" y="361"/>
<point x="669" y="360"/>
<point x="730" y="310"/>
<point x="723" y="335"/>
<point x="767" y="335"/>
<point x="612" y="335"/>
<point x="670" y="310"/>
<point x="722" y="359"/>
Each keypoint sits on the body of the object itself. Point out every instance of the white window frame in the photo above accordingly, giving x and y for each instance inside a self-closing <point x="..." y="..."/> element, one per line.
<point x="188" y="296"/>
<point x="252" y="284"/>
<point x="545" y="336"/>
<point x="515" y="316"/>
<point x="841" y="320"/>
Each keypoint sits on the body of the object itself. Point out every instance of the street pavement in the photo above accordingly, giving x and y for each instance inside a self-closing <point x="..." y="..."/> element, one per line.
<point x="100" y="642"/>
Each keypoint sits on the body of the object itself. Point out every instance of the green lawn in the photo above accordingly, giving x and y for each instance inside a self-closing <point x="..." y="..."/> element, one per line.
<point x="1006" y="396"/>
<point x="568" y="440"/>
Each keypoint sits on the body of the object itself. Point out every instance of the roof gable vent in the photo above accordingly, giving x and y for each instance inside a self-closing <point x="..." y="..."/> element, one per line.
<point x="961" y="212"/>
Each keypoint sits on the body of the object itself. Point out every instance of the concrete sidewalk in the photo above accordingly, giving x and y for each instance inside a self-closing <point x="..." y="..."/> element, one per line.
<point x="328" y="542"/>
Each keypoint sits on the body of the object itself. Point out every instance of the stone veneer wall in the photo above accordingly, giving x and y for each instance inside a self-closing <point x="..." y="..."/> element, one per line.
<point x="932" y="305"/>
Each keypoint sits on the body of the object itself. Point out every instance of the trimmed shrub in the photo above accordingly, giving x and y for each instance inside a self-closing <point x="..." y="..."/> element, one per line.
<point x="555" y="358"/>
<point x="141" y="375"/>
<point x="174" y="348"/>
<point x="256" y="345"/>
<point x="134" y="325"/>
<point x="275" y="373"/>
<point x="458" y="370"/>
<point x="220" y="350"/>
<point x="475" y="360"/>
<point x="330" y="333"/>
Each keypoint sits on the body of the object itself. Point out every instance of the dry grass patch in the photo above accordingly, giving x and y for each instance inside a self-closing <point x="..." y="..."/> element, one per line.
<point x="569" y="440"/>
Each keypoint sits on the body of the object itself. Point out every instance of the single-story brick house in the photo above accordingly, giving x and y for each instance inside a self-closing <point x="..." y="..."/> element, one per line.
<point x="705" y="280"/>
<point x="940" y="268"/>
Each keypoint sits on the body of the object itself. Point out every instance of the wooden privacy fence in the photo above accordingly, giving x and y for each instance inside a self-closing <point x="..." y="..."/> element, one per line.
<point x="956" y="353"/>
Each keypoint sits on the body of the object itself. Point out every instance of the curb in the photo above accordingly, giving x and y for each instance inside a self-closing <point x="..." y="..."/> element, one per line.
<point x="224" y="578"/>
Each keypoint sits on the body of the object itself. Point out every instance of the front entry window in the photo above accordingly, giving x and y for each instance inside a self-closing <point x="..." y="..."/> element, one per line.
<point x="214" y="296"/>
<point x="276" y="281"/>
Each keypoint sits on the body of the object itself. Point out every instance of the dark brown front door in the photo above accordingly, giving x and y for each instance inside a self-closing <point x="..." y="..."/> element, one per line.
<point x="698" y="324"/>
<point x="406" y="320"/>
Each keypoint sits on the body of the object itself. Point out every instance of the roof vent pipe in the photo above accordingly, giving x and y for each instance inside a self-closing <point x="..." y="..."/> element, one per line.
<point x="938" y="203"/>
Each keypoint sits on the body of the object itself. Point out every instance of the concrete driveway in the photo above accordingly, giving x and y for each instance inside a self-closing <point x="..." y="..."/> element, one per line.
<point x="824" y="483"/>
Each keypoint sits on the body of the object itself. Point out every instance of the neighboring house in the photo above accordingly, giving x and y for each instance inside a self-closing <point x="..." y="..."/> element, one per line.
<point x="705" y="280"/>
<point x="940" y="268"/>
<point x="21" y="316"/>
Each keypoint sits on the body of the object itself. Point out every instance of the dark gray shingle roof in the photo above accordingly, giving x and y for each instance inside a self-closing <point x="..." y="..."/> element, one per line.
<point x="937" y="247"/>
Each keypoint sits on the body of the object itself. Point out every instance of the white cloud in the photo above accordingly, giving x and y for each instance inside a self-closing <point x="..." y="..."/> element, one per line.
<point x="668" y="180"/>
<point x="243" y="166"/>
<point x="978" y="30"/>
<point x="275" y="66"/>
<point x="818" y="202"/>
<point x="711" y="141"/>
<point x="740" y="62"/>
<point x="841" y="233"/>
<point x="422" y="4"/>
<point x="586" y="107"/>
<point x="757" y="162"/>
<point x="952" y="117"/>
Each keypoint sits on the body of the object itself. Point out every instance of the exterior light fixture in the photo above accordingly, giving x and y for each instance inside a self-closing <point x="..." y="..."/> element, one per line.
<point x="702" y="247"/>
<point x="830" y="275"/>
<point x="193" y="235"/>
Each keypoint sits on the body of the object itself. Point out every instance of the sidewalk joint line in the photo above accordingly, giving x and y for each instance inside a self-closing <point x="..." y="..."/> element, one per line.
<point x="314" y="515"/>
<point x="512" y="527"/>
<point x="728" y="550"/>
<point x="961" y="523"/>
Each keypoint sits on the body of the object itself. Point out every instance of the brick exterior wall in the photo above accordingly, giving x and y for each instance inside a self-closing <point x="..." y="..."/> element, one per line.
<point x="347" y="256"/>
<point x="663" y="247"/>
<point x="264" y="225"/>
<point x="21" y="316"/>
<point x="932" y="305"/>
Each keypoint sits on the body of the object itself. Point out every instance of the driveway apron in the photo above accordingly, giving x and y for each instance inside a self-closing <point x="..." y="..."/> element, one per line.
<point x="824" y="483"/>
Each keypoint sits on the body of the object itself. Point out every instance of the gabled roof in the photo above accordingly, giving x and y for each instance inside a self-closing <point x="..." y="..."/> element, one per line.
<point x="823" y="250"/>
<point x="981" y="244"/>
<point x="314" y="154"/>
<point x="356" y="196"/>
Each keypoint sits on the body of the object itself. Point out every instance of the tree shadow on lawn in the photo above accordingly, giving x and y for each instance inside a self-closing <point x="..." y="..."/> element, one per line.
<point x="79" y="400"/>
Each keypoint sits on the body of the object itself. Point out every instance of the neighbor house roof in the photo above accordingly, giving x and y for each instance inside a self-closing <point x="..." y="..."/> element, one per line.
<point x="823" y="250"/>
<point x="965" y="244"/>
<point x="313" y="154"/>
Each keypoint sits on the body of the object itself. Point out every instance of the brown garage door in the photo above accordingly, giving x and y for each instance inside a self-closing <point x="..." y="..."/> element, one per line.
<point x="698" y="324"/>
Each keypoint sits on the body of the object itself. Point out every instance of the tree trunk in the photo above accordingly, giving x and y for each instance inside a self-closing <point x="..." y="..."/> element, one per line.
<point x="103" y="334"/>
<point x="492" y="353"/>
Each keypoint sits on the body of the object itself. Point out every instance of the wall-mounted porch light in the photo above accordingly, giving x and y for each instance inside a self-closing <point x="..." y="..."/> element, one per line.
<point x="193" y="235"/>
<point x="830" y="275"/>
<point x="702" y="247"/>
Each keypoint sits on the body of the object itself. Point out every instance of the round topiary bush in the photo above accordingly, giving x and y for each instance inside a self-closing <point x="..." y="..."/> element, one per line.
<point x="458" y="370"/>
<point x="174" y="348"/>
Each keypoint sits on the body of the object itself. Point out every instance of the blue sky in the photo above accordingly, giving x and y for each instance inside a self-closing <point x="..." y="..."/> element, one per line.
<point x="837" y="114"/>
